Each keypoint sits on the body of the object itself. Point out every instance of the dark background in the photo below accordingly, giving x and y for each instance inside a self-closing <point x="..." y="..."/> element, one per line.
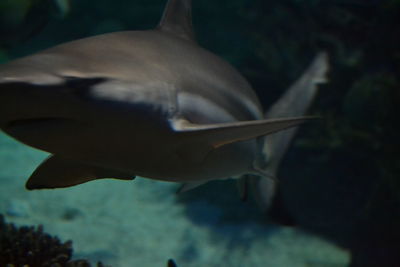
<point x="341" y="177"/>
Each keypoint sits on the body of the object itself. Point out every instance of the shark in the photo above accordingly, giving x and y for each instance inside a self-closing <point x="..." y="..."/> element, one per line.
<point x="149" y="103"/>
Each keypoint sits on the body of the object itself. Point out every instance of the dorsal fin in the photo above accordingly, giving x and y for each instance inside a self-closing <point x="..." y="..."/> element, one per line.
<point x="177" y="19"/>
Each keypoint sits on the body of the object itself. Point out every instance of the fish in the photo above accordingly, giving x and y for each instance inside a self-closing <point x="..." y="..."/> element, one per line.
<point x="149" y="103"/>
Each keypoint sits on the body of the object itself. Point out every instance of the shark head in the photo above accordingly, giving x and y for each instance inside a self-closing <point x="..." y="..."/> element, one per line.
<point x="149" y="103"/>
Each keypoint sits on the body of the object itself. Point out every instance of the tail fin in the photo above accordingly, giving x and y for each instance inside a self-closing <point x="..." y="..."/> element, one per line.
<point x="295" y="102"/>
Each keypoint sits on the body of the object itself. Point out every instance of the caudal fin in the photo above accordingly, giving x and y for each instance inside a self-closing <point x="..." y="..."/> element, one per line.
<point x="294" y="102"/>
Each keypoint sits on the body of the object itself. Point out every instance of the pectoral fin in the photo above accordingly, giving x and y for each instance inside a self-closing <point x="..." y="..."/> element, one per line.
<point x="203" y="138"/>
<point x="56" y="172"/>
<point x="220" y="134"/>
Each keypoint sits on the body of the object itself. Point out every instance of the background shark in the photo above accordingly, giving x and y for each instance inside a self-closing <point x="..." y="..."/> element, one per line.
<point x="149" y="103"/>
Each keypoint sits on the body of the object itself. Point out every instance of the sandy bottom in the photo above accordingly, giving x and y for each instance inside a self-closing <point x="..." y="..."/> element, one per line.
<point x="141" y="223"/>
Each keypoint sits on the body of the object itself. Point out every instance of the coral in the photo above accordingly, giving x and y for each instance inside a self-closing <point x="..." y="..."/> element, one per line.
<point x="171" y="263"/>
<point x="29" y="246"/>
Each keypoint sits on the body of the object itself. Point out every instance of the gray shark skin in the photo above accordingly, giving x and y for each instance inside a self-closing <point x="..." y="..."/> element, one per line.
<point x="148" y="103"/>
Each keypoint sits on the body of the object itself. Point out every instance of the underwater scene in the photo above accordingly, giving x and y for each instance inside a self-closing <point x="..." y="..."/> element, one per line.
<point x="257" y="133"/>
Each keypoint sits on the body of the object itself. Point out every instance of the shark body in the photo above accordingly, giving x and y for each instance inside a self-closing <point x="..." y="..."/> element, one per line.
<point x="148" y="103"/>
